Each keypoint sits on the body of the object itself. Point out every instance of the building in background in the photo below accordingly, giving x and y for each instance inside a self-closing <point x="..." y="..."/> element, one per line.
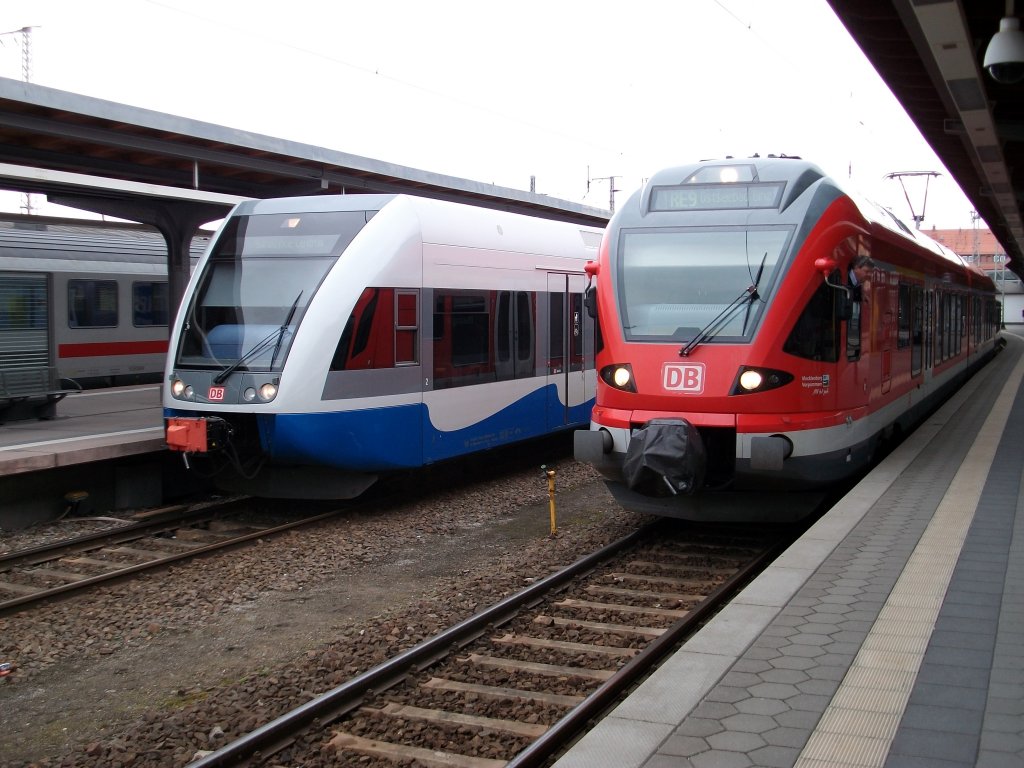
<point x="979" y="246"/>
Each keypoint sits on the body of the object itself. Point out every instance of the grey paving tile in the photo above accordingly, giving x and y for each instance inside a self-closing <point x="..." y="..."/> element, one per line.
<point x="912" y="761"/>
<point x="935" y="745"/>
<point x="798" y="719"/>
<point x="789" y="676"/>
<point x="988" y="759"/>
<point x="775" y="756"/>
<point x="720" y="759"/>
<point x="946" y="719"/>
<point x="1004" y="742"/>
<point x="748" y="723"/>
<point x="699" y="726"/>
<point x="736" y="741"/>
<point x="950" y="675"/>
<point x="757" y="706"/>
<point x="683" y="746"/>
<point x="667" y="761"/>
<point x="961" y="657"/>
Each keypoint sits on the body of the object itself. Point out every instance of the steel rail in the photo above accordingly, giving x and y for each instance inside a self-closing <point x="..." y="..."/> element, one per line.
<point x="9" y="606"/>
<point x="349" y="695"/>
<point x="167" y="520"/>
<point x="559" y="734"/>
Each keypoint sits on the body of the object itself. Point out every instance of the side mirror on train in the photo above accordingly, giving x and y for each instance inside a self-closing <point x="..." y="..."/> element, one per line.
<point x="590" y="301"/>
<point x="844" y="301"/>
<point x="590" y="294"/>
<point x="826" y="266"/>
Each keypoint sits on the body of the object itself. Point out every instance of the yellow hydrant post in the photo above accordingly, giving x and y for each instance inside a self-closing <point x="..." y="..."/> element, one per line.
<point x="551" y="499"/>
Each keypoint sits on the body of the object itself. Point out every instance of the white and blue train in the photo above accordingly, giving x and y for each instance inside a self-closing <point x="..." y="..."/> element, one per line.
<point x="326" y="341"/>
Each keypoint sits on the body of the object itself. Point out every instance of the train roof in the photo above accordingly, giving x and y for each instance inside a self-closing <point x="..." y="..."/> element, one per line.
<point x="50" y="239"/>
<point x="438" y="219"/>
<point x="799" y="175"/>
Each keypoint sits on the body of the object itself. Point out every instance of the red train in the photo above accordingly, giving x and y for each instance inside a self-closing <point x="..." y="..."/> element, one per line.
<point x="761" y="333"/>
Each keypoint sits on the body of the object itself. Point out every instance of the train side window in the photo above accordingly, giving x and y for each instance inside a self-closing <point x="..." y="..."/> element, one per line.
<point x="503" y="331"/>
<point x="524" y="326"/>
<point x="961" y="326"/>
<point x="463" y="334"/>
<point x="815" y="335"/>
<point x="92" y="303"/>
<point x="916" y="329"/>
<point x="556" y="333"/>
<point x="407" y="328"/>
<point x="368" y="340"/>
<point x="149" y="304"/>
<point x="903" y="318"/>
<point x="470" y="321"/>
<point x="950" y="327"/>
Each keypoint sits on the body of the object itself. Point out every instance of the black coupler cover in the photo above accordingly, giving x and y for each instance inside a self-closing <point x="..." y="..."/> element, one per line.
<point x="665" y="457"/>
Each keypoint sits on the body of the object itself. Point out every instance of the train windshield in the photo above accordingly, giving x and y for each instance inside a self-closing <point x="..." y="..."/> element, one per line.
<point x="259" y="279"/>
<point x="675" y="283"/>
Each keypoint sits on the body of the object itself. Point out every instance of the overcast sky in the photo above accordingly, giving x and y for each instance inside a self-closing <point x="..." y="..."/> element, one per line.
<point x="567" y="91"/>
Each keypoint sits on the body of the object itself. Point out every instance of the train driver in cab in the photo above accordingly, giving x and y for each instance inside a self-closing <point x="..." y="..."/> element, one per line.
<point x="860" y="276"/>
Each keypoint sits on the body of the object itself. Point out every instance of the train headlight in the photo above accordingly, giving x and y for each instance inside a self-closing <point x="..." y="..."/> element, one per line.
<point x="619" y="377"/>
<point x="177" y="387"/>
<point x="752" y="379"/>
<point x="189" y="392"/>
<point x="723" y="174"/>
<point x="268" y="391"/>
<point x="249" y="394"/>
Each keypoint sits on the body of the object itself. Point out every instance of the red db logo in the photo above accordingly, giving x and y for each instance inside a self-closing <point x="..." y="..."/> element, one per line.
<point x="677" y="377"/>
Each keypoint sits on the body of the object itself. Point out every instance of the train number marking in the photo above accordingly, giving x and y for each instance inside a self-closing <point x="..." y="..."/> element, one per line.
<point x="683" y="377"/>
<point x="216" y="394"/>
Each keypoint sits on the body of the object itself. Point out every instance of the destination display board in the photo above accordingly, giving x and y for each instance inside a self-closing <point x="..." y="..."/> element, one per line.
<point x="716" y="197"/>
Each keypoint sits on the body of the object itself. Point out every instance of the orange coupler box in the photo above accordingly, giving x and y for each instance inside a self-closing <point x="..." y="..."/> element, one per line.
<point x="188" y="435"/>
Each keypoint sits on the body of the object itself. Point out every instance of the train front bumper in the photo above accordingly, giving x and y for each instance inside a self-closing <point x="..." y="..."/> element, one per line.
<point x="738" y="457"/>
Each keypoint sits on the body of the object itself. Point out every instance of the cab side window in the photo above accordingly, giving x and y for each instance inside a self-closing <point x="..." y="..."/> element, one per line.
<point x="815" y="335"/>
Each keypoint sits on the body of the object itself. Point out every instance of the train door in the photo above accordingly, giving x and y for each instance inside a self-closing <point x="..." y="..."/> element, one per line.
<point x="888" y="334"/>
<point x="859" y="350"/>
<point x="514" y="332"/>
<point x="929" y="332"/>
<point x="27" y="354"/>
<point x="916" y="330"/>
<point x="570" y="347"/>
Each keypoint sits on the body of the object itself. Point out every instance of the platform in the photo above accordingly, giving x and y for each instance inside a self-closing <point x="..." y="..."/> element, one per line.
<point x="891" y="634"/>
<point x="93" y="425"/>
<point x="105" y="443"/>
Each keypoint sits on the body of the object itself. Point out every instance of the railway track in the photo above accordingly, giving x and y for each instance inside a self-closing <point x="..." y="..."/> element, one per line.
<point x="517" y="681"/>
<point x="166" y="536"/>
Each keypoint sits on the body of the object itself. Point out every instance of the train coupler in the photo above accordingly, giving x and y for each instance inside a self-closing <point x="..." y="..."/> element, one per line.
<point x="665" y="455"/>
<point x="204" y="434"/>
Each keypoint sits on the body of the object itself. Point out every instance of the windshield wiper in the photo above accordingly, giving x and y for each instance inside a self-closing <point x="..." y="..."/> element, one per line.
<point x="755" y="295"/>
<point x="274" y="337"/>
<point x="749" y="296"/>
<point x="284" y="328"/>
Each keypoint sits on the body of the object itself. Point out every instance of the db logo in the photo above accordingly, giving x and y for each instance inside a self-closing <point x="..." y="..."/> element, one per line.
<point x="679" y="377"/>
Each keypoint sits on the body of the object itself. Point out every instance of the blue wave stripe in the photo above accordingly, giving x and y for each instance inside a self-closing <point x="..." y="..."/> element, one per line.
<point x="403" y="437"/>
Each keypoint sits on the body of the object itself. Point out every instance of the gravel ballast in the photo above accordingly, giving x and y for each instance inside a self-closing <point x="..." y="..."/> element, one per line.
<point x="148" y="672"/>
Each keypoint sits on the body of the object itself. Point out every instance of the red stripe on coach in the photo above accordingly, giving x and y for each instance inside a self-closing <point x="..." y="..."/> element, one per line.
<point x="113" y="348"/>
